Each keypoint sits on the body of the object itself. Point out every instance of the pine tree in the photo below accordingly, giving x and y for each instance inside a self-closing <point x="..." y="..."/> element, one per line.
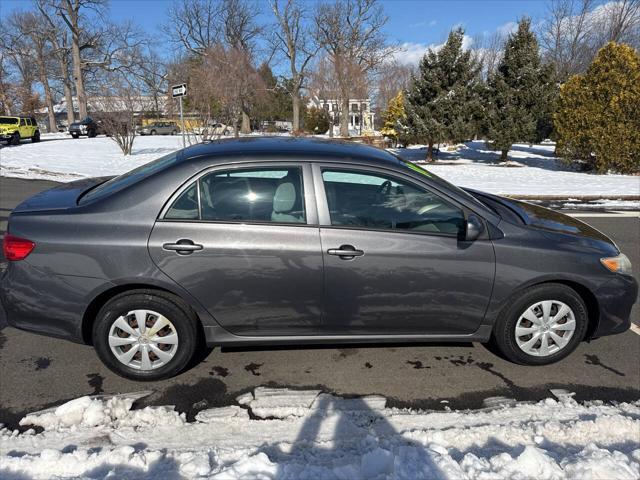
<point x="598" y="114"/>
<point x="443" y="99"/>
<point x="519" y="92"/>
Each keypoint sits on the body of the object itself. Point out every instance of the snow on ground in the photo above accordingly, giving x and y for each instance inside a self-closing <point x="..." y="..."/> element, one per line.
<point x="533" y="170"/>
<point x="310" y="435"/>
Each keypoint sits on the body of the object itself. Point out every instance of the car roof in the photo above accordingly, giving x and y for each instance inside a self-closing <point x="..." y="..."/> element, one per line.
<point x="304" y="149"/>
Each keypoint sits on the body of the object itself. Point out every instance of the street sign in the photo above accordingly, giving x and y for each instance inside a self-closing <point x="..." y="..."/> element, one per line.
<point x="179" y="90"/>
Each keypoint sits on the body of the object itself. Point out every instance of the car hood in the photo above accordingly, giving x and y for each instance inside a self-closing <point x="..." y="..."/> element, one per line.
<point x="61" y="197"/>
<point x="545" y="219"/>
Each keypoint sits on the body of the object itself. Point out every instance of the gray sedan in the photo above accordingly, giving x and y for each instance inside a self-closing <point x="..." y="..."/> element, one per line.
<point x="297" y="241"/>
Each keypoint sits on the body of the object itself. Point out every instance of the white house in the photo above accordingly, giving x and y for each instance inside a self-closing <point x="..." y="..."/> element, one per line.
<point x="360" y="114"/>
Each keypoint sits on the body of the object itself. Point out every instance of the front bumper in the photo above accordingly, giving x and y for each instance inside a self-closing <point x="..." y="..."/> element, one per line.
<point x="615" y="300"/>
<point x="6" y="136"/>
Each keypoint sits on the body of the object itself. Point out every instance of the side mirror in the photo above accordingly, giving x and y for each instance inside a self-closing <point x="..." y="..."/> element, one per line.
<point x="475" y="227"/>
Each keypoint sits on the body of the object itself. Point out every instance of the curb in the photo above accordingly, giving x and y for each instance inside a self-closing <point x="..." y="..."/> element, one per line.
<point x="583" y="198"/>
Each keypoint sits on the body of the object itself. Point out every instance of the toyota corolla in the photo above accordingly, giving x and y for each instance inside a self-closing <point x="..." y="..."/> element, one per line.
<point x="300" y="241"/>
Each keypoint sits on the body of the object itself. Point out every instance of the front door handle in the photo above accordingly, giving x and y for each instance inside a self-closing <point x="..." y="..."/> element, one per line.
<point x="183" y="246"/>
<point x="346" y="252"/>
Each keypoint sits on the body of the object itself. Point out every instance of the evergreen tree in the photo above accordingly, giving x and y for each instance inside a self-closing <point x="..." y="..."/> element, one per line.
<point x="443" y="98"/>
<point x="519" y="92"/>
<point x="395" y="119"/>
<point x="598" y="114"/>
<point x="316" y="120"/>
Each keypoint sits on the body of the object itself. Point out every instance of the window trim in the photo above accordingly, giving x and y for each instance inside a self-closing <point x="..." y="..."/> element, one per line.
<point x="324" y="215"/>
<point x="308" y="197"/>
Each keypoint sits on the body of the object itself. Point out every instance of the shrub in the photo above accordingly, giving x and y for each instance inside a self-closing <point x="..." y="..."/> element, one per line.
<point x="597" y="118"/>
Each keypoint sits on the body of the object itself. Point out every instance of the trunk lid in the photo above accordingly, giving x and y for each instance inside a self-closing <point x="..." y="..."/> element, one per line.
<point x="59" y="198"/>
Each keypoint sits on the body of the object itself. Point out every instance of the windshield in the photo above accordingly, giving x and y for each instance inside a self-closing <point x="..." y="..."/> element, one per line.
<point x="8" y="121"/>
<point x="129" y="178"/>
<point x="440" y="181"/>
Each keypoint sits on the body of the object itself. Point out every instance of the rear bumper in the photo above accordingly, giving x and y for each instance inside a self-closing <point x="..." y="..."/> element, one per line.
<point x="615" y="300"/>
<point x="45" y="303"/>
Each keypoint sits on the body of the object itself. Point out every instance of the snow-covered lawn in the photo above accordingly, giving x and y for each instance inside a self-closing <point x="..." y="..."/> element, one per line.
<point x="533" y="171"/>
<point x="309" y="435"/>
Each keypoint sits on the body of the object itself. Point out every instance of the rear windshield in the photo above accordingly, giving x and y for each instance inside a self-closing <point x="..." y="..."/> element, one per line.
<point x="8" y="121"/>
<point x="118" y="183"/>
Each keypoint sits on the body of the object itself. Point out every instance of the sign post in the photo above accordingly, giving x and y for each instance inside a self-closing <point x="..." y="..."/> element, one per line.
<point x="180" y="91"/>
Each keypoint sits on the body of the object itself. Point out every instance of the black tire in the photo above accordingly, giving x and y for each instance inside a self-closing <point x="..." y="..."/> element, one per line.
<point x="15" y="139"/>
<point x="183" y="319"/>
<point x="91" y="133"/>
<point x="75" y="135"/>
<point x="36" y="137"/>
<point x="153" y="132"/>
<point x="503" y="336"/>
<point x="173" y="132"/>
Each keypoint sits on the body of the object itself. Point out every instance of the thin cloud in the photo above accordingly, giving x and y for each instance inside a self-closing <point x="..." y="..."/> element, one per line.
<point x="411" y="53"/>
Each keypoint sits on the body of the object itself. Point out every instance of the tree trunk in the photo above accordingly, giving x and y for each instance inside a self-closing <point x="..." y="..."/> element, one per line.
<point x="246" y="123"/>
<point x="504" y="155"/>
<point x="295" y="100"/>
<point x="344" y="117"/>
<point x="77" y="76"/>
<point x="430" y="151"/>
<point x="48" y="98"/>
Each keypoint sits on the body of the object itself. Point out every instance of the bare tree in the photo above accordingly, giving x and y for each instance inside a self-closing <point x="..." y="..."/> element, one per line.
<point x="488" y="50"/>
<point x="18" y="56"/>
<point x="575" y="30"/>
<point x="59" y="38"/>
<point x="294" y="40"/>
<point x="122" y="99"/>
<point x="32" y="30"/>
<point x="194" y="25"/>
<point x="391" y="78"/>
<point x="72" y="12"/>
<point x="564" y="36"/>
<point x="351" y="32"/>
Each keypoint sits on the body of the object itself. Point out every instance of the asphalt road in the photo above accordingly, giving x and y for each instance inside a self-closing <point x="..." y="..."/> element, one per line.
<point x="37" y="372"/>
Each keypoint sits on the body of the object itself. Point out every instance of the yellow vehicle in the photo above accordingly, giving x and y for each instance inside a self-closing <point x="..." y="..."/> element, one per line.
<point x="14" y="129"/>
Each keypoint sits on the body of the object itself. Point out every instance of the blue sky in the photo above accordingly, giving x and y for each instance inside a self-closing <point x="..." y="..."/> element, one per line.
<point x="416" y="24"/>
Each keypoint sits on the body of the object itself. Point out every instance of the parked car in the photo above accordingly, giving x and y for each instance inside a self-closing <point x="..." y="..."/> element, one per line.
<point x="14" y="129"/>
<point x="159" y="128"/>
<point x="295" y="241"/>
<point x="88" y="127"/>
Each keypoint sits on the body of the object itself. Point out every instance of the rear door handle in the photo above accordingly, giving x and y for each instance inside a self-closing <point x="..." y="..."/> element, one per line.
<point x="346" y="252"/>
<point x="183" y="246"/>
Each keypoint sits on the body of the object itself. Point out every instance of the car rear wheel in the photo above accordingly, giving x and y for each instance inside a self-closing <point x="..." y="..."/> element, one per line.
<point x="75" y="135"/>
<point x="36" y="137"/>
<point x="145" y="335"/>
<point x="543" y="325"/>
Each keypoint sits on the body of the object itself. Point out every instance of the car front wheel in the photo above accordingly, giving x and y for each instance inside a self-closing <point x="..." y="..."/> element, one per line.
<point x="15" y="139"/>
<point x="145" y="335"/>
<point x="543" y="325"/>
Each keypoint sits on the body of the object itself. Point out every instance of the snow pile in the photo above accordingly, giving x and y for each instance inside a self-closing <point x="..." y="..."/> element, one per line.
<point x="316" y="436"/>
<point x="534" y="169"/>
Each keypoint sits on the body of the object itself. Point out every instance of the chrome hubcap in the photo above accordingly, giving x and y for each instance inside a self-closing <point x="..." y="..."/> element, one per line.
<point x="143" y="339"/>
<point x="545" y="328"/>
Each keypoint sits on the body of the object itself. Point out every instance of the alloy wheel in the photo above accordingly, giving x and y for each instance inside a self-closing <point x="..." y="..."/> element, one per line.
<point x="545" y="328"/>
<point x="143" y="339"/>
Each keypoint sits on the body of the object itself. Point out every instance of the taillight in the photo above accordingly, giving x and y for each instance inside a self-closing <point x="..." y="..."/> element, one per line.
<point x="16" y="248"/>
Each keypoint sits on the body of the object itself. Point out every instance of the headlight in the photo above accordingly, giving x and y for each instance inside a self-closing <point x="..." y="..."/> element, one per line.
<point x="619" y="264"/>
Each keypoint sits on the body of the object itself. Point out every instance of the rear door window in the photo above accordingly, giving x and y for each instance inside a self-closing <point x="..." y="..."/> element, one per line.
<point x="263" y="195"/>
